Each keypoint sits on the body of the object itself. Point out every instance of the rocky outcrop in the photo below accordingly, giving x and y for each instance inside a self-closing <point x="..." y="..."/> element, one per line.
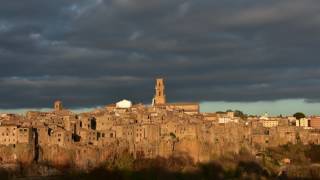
<point x="19" y="153"/>
<point x="80" y="157"/>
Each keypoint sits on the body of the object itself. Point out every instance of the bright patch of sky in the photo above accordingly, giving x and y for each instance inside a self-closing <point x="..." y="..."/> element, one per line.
<point x="283" y="107"/>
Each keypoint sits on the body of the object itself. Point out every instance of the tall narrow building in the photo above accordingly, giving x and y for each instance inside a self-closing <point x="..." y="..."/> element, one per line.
<point x="159" y="97"/>
<point x="58" y="105"/>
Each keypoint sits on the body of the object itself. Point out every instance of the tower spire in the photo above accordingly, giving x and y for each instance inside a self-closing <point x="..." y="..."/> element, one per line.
<point x="58" y="105"/>
<point x="159" y="97"/>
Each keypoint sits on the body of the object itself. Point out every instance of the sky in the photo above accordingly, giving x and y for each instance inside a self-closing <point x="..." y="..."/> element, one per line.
<point x="233" y="54"/>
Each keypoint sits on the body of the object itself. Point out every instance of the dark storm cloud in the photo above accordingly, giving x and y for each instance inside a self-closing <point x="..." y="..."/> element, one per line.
<point x="90" y="53"/>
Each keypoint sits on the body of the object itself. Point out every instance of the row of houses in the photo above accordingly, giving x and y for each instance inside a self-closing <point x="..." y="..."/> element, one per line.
<point x="13" y="134"/>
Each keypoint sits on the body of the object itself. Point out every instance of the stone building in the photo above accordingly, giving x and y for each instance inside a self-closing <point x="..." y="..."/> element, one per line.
<point x="60" y="137"/>
<point x="160" y="101"/>
<point x="24" y="135"/>
<point x="36" y="115"/>
<point x="13" y="135"/>
<point x="88" y="136"/>
<point x="9" y="117"/>
<point x="315" y="122"/>
<point x="303" y="122"/>
<point x="188" y="108"/>
<point x="159" y="97"/>
<point x="268" y="123"/>
<point x="111" y="107"/>
<point x="58" y="105"/>
<point x="105" y="137"/>
<point x="104" y="122"/>
<point x="8" y="135"/>
<point x="44" y="132"/>
<point x="309" y="136"/>
<point x="148" y="132"/>
<point x="212" y="117"/>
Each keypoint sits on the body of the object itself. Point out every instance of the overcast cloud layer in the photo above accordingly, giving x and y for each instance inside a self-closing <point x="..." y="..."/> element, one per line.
<point x="90" y="53"/>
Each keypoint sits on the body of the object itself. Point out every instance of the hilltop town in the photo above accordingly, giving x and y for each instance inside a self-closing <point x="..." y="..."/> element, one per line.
<point x="64" y="138"/>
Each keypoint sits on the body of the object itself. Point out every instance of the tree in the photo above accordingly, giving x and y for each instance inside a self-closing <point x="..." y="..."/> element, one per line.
<point x="238" y="113"/>
<point x="124" y="161"/>
<point x="299" y="115"/>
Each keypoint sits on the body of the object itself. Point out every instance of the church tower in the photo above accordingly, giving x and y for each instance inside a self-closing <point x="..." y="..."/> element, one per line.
<point x="58" y="105"/>
<point x="159" y="97"/>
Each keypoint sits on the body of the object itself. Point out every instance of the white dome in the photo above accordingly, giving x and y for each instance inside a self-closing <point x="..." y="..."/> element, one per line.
<point x="124" y="104"/>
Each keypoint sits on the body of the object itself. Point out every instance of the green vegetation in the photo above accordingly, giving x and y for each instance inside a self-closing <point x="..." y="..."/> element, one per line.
<point x="179" y="168"/>
<point x="174" y="167"/>
<point x="238" y="113"/>
<point x="299" y="115"/>
<point x="121" y="162"/>
<point x="304" y="160"/>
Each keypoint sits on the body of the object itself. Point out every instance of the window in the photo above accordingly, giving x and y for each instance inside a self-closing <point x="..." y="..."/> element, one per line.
<point x="98" y="135"/>
<point x="93" y="124"/>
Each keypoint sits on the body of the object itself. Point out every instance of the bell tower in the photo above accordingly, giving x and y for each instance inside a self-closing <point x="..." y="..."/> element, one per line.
<point x="159" y="97"/>
<point x="58" y="105"/>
